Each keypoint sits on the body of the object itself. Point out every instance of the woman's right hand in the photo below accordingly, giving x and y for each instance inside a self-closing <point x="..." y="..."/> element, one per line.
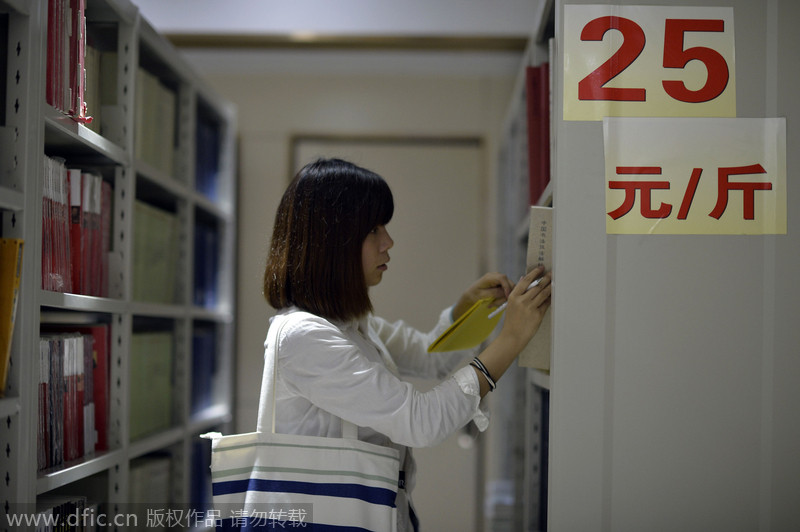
<point x="524" y="313"/>
<point x="526" y="308"/>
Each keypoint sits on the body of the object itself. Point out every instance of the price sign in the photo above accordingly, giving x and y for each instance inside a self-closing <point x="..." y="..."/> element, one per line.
<point x="648" y="61"/>
<point x="695" y="175"/>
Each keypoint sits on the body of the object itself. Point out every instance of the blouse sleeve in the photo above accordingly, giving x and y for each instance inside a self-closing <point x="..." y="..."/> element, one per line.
<point x="317" y="361"/>
<point x="409" y="348"/>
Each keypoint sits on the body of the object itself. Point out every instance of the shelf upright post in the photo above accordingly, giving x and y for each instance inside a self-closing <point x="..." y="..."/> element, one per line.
<point x="119" y="408"/>
<point x="25" y="81"/>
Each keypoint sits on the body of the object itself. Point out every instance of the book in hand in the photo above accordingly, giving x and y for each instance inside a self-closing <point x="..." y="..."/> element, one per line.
<point x="540" y="252"/>
<point x="468" y="331"/>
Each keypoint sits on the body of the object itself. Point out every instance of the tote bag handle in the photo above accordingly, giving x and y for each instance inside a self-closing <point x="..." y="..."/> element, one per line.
<point x="266" y="402"/>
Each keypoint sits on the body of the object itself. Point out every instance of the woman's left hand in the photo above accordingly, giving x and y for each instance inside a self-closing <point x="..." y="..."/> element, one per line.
<point x="494" y="285"/>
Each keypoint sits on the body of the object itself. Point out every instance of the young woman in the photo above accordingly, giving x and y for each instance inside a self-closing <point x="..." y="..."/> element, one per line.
<point x="337" y="361"/>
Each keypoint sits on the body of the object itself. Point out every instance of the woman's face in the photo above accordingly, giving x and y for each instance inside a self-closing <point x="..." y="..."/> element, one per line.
<point x="375" y="254"/>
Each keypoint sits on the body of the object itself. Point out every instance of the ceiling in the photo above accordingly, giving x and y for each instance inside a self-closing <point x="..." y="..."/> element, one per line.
<point x="378" y="36"/>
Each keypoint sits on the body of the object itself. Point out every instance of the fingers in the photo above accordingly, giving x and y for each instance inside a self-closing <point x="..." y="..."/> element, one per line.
<point x="535" y="288"/>
<point x="497" y="281"/>
<point x="494" y="285"/>
<point x="524" y="283"/>
<point x="542" y="298"/>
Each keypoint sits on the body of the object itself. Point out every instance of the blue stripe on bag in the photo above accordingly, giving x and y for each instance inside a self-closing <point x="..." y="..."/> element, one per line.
<point x="381" y="496"/>
<point x="236" y="525"/>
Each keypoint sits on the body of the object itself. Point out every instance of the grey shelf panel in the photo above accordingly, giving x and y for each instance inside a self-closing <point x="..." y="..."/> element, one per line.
<point x="77" y="302"/>
<point x="77" y="470"/>
<point x="19" y="6"/>
<point x="209" y="418"/>
<point x="9" y="406"/>
<point x="201" y="313"/>
<point x="539" y="378"/>
<point x="158" y="310"/>
<point x="149" y="444"/>
<point x="11" y="199"/>
<point x="65" y="136"/>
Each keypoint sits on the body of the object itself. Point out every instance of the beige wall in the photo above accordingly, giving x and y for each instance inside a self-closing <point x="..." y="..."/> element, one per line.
<point x="272" y="109"/>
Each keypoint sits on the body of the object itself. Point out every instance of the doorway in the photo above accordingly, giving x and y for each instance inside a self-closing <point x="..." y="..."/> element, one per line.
<point x="438" y="186"/>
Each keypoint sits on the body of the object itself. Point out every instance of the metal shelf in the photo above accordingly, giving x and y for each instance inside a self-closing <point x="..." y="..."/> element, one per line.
<point x="209" y="418"/>
<point x="11" y="199"/>
<point x="39" y="129"/>
<point x="77" y="470"/>
<point x="58" y="300"/>
<point x="66" y="137"/>
<point x="9" y="406"/>
<point x="148" y="444"/>
<point x="539" y="378"/>
<point x="20" y="6"/>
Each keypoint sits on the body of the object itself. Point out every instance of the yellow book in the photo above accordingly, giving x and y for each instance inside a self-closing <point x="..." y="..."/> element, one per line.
<point x="472" y="328"/>
<point x="10" y="273"/>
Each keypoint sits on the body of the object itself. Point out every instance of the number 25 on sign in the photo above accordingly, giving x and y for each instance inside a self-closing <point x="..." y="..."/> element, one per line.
<point x="648" y="61"/>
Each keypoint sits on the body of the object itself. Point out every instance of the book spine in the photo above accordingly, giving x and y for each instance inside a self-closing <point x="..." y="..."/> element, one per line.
<point x="76" y="223"/>
<point x="50" y="86"/>
<point x="43" y="455"/>
<point x="10" y="277"/>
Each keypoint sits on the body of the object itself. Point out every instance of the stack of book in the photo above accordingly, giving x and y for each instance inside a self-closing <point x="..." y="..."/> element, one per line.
<point x="206" y="264"/>
<point x="204" y="349"/>
<point x="56" y="256"/>
<point x="155" y="120"/>
<point x="66" y="57"/>
<point x="73" y="394"/>
<point x="150" y="479"/>
<point x="66" y="513"/>
<point x="150" y="382"/>
<point x="207" y="157"/>
<point x="537" y="96"/>
<point x="76" y="230"/>
<point x="155" y="254"/>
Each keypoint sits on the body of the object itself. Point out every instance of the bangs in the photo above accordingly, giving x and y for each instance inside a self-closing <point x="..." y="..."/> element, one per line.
<point x="377" y="206"/>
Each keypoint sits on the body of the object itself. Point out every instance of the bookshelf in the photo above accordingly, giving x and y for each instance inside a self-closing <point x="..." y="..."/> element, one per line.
<point x="651" y="408"/>
<point x="518" y="459"/>
<point x="155" y="234"/>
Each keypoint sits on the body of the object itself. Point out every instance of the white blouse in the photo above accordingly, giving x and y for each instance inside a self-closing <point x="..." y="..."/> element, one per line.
<point x="329" y="371"/>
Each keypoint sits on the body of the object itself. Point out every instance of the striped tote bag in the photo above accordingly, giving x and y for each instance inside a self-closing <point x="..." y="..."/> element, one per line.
<point x="269" y="481"/>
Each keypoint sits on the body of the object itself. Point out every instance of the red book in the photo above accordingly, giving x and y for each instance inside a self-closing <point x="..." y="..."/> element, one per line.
<point x="46" y="225"/>
<point x="63" y="56"/>
<point x="58" y="67"/>
<point x="76" y="229"/>
<point x="68" y="408"/>
<point x="97" y="234"/>
<point x="51" y="52"/>
<point x="106" y="213"/>
<point x="100" y="377"/>
<point x="76" y="63"/>
<point x="87" y="181"/>
<point x="89" y="433"/>
<point x="101" y="351"/>
<point x="538" y="114"/>
<point x="80" y="390"/>
<point x="544" y="125"/>
<point x="43" y="447"/>
<point x="72" y="57"/>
